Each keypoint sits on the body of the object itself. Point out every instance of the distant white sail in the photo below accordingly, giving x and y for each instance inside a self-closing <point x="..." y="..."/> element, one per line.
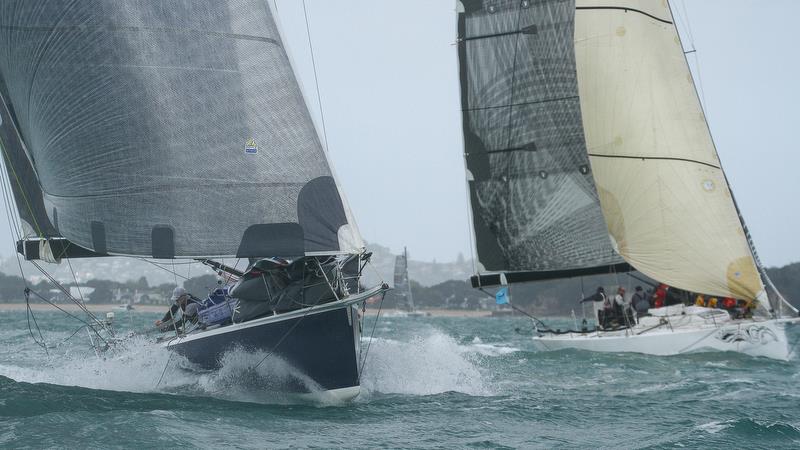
<point x="664" y="196"/>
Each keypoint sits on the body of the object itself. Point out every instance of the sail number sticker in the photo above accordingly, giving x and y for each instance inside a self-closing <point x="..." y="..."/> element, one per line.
<point x="250" y="147"/>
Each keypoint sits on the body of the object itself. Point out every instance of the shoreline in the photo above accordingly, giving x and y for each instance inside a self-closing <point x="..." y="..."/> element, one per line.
<point x="115" y="308"/>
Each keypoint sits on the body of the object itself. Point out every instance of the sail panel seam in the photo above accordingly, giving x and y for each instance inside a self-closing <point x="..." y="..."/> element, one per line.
<point x="511" y="105"/>
<point x="530" y="29"/>
<point x="78" y="29"/>
<point x="665" y="158"/>
<point x="622" y="8"/>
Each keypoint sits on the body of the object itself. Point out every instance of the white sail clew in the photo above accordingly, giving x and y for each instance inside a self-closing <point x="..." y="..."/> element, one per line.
<point x="663" y="193"/>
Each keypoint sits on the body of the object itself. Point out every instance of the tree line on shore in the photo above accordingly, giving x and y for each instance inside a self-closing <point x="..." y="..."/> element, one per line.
<point x="557" y="297"/>
<point x="546" y="297"/>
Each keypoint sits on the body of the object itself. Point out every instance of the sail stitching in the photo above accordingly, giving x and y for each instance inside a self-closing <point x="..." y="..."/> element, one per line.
<point x="511" y="105"/>
<point x="621" y="8"/>
<point x="530" y="29"/>
<point x="663" y="158"/>
<point x="79" y="29"/>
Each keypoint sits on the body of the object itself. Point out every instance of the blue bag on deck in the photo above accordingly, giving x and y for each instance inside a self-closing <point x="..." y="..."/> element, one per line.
<point x="218" y="307"/>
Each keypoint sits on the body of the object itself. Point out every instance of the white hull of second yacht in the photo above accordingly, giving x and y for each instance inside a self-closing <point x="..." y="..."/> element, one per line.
<point x="686" y="333"/>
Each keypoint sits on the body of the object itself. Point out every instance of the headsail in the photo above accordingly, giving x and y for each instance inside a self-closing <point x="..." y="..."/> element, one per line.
<point x="664" y="195"/>
<point x="169" y="129"/>
<point x="534" y="205"/>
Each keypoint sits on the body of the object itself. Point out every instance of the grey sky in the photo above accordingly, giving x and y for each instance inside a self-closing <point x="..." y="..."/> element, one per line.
<point x="388" y="80"/>
<point x="388" y="77"/>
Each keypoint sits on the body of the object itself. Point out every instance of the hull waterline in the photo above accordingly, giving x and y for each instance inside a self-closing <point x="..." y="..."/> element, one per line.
<point x="756" y="338"/>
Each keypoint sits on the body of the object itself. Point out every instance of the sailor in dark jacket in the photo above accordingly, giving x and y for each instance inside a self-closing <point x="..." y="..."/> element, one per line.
<point x="182" y="302"/>
<point x="599" y="296"/>
<point x="603" y="314"/>
<point x="640" y="302"/>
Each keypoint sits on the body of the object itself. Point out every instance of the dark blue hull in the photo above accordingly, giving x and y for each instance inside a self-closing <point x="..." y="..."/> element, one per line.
<point x="321" y="346"/>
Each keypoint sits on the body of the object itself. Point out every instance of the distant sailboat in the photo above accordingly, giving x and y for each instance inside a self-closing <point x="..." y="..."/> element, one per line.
<point x="587" y="152"/>
<point x="178" y="130"/>
<point x="402" y="285"/>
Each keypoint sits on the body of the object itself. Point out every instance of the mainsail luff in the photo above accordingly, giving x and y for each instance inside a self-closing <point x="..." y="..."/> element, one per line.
<point x="21" y="176"/>
<point x="535" y="209"/>
<point x="170" y="130"/>
<point x="664" y="195"/>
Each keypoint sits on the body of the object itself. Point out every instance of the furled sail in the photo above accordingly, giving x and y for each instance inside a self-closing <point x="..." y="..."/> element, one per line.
<point x="169" y="129"/>
<point x="665" y="198"/>
<point x="535" y="209"/>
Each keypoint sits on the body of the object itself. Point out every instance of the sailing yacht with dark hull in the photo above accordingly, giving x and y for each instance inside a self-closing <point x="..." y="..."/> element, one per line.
<point x="179" y="130"/>
<point x="587" y="152"/>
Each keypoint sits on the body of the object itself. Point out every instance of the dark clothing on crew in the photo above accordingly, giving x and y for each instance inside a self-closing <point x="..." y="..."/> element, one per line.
<point x="597" y="297"/>
<point x="640" y="303"/>
<point x="173" y="311"/>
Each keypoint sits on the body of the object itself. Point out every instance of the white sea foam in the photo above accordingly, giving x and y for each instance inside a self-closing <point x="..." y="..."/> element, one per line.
<point x="426" y="365"/>
<point x="137" y="367"/>
<point x="714" y="427"/>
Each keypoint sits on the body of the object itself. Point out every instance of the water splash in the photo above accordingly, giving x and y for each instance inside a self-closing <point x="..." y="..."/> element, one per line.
<point x="425" y="365"/>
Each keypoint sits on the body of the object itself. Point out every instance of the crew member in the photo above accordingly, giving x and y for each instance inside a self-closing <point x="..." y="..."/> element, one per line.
<point x="182" y="302"/>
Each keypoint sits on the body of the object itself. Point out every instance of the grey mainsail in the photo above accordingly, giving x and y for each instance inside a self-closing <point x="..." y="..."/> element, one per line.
<point x="169" y="129"/>
<point x="402" y="284"/>
<point x="535" y="208"/>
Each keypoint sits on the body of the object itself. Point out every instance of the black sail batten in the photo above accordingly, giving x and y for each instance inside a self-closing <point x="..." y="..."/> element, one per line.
<point x="493" y="279"/>
<point x="535" y="208"/>
<point x="169" y="131"/>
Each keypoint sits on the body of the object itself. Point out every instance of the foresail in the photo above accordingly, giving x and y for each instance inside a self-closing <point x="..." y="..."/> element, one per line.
<point x="664" y="195"/>
<point x="169" y="129"/>
<point x="533" y="201"/>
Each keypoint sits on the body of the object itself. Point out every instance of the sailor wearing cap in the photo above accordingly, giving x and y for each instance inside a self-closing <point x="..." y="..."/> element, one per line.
<point x="181" y="301"/>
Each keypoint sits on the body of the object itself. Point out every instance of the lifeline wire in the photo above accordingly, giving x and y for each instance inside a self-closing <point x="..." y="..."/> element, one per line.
<point x="372" y="334"/>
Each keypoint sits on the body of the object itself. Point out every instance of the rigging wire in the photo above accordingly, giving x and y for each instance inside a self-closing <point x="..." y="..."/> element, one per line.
<point x="316" y="80"/>
<point x="173" y="272"/>
<point x="697" y="76"/>
<point x="371" y="336"/>
<point x="275" y="348"/>
<point x="29" y="314"/>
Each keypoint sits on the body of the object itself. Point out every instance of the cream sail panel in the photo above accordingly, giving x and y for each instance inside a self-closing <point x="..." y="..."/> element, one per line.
<point x="655" y="8"/>
<point x="663" y="195"/>
<point x="639" y="60"/>
<point x="668" y="219"/>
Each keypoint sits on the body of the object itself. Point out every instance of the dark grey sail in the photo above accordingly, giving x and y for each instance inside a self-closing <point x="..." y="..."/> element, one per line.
<point x="24" y="187"/>
<point x="402" y="284"/>
<point x="171" y="129"/>
<point x="536" y="213"/>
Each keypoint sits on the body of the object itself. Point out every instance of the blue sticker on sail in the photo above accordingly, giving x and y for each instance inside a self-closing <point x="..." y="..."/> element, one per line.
<point x="250" y="147"/>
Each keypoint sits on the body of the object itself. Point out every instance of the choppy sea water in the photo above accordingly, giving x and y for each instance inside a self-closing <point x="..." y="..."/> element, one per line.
<point x="428" y="382"/>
